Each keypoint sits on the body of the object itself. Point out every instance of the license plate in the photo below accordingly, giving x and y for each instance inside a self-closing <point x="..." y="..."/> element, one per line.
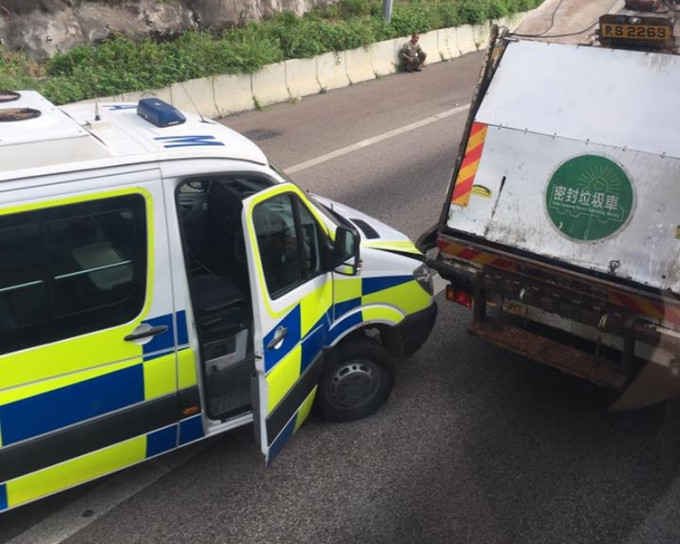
<point x="634" y="32"/>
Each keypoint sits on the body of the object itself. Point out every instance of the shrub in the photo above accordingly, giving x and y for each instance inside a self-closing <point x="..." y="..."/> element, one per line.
<point x="350" y="35"/>
<point x="354" y="8"/>
<point x="246" y="50"/>
<point x="18" y="65"/>
<point x="297" y="38"/>
<point x="62" y="90"/>
<point x="473" y="11"/>
<point x="449" y="14"/>
<point x="497" y="9"/>
<point x="413" y="17"/>
<point x="123" y="64"/>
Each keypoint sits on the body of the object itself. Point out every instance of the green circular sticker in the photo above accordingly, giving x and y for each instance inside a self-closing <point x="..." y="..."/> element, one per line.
<point x="589" y="198"/>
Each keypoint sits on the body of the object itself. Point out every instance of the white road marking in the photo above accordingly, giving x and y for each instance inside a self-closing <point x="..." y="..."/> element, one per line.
<point x="114" y="491"/>
<point x="375" y="139"/>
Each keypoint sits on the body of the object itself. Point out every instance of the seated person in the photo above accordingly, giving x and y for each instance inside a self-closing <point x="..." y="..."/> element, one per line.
<point x="411" y="55"/>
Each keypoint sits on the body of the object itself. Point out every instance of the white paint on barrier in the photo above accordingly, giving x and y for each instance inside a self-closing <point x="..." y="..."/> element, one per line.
<point x="301" y="77"/>
<point x="196" y="96"/>
<point x="164" y="94"/>
<point x="448" y="43"/>
<point x="117" y="99"/>
<point x="269" y="85"/>
<point x="359" y="66"/>
<point x="233" y="93"/>
<point x="481" y="34"/>
<point x="384" y="57"/>
<point x="429" y="41"/>
<point x="331" y="68"/>
<point x="466" y="40"/>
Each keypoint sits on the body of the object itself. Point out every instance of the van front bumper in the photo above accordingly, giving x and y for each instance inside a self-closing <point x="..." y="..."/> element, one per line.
<point x="415" y="328"/>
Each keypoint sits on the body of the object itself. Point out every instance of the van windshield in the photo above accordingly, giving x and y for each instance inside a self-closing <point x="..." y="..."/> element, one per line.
<point x="328" y="212"/>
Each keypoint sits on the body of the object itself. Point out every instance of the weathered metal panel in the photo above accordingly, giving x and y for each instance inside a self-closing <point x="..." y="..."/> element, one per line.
<point x="579" y="161"/>
<point x="631" y="230"/>
<point x="611" y="96"/>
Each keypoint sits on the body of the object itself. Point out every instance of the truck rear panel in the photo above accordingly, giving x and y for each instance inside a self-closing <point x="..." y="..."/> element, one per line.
<point x="570" y="158"/>
<point x="562" y="220"/>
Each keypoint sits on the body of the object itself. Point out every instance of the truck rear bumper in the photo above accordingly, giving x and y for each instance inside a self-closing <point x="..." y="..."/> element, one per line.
<point x="544" y="350"/>
<point x="567" y="323"/>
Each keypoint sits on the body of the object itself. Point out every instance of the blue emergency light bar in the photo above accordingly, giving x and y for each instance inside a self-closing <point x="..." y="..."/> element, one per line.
<point x="159" y="113"/>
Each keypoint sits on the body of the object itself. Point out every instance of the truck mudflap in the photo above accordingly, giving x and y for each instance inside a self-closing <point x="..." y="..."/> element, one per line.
<point x="654" y="384"/>
<point x="641" y="361"/>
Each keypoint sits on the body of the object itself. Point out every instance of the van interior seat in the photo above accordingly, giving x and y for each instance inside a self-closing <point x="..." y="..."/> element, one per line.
<point x="225" y="207"/>
<point x="215" y="293"/>
<point x="228" y="244"/>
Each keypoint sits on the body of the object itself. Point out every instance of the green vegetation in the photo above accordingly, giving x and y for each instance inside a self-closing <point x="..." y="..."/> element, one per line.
<point x="123" y="64"/>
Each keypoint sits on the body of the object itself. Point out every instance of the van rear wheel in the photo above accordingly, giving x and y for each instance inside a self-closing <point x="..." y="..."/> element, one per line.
<point x="357" y="382"/>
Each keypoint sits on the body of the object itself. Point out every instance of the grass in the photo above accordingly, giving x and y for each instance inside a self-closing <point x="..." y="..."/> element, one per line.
<point x="123" y="64"/>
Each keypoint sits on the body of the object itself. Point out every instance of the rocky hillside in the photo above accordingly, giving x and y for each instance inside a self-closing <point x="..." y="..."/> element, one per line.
<point x="44" y="27"/>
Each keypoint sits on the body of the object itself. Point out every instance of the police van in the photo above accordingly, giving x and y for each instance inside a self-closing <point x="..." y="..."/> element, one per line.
<point x="161" y="282"/>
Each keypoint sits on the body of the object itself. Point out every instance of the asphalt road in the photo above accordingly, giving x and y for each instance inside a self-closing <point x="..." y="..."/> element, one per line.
<point x="474" y="445"/>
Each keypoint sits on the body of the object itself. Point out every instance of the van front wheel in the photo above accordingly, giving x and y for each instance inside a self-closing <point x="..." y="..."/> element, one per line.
<point x="357" y="382"/>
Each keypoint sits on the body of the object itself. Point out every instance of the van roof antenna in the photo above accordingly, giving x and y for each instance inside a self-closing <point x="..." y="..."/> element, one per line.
<point x="97" y="117"/>
<point x="193" y="104"/>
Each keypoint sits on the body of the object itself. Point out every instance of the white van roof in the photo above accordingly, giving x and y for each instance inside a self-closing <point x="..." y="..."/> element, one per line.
<point x="588" y="94"/>
<point x="76" y="137"/>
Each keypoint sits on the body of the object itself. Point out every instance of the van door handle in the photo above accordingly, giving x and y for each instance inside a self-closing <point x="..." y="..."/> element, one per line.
<point x="144" y="331"/>
<point x="279" y="335"/>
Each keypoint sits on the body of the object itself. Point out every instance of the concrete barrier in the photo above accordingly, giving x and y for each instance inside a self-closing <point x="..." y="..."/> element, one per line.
<point x="301" y="77"/>
<point x="481" y="34"/>
<point x="117" y="99"/>
<point x="513" y="21"/>
<point x="164" y="94"/>
<point x="466" y="40"/>
<point x="233" y="94"/>
<point x="331" y="70"/>
<point x="359" y="66"/>
<point x="429" y="41"/>
<point x="196" y="95"/>
<point x="448" y="43"/>
<point x="384" y="57"/>
<point x="226" y="94"/>
<point x="269" y="85"/>
<point x="503" y="21"/>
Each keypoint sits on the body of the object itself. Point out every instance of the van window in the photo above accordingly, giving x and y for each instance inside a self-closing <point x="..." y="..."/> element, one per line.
<point x="71" y="269"/>
<point x="289" y="242"/>
<point x="310" y="241"/>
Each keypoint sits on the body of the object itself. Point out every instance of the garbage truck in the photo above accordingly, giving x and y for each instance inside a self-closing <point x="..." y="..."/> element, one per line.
<point x="561" y="223"/>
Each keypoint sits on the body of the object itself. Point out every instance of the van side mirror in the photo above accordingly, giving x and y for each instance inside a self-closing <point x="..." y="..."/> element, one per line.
<point x="346" y="252"/>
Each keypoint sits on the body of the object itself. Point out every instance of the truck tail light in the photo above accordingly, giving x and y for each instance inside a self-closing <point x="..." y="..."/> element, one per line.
<point x="459" y="297"/>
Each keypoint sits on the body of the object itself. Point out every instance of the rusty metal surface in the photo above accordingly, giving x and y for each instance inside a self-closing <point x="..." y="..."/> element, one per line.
<point x="551" y="353"/>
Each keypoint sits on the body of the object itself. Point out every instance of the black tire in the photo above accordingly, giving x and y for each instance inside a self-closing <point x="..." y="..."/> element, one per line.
<point x="356" y="382"/>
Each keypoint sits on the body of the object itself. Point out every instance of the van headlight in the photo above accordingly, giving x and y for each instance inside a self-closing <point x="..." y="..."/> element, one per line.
<point x="423" y="275"/>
